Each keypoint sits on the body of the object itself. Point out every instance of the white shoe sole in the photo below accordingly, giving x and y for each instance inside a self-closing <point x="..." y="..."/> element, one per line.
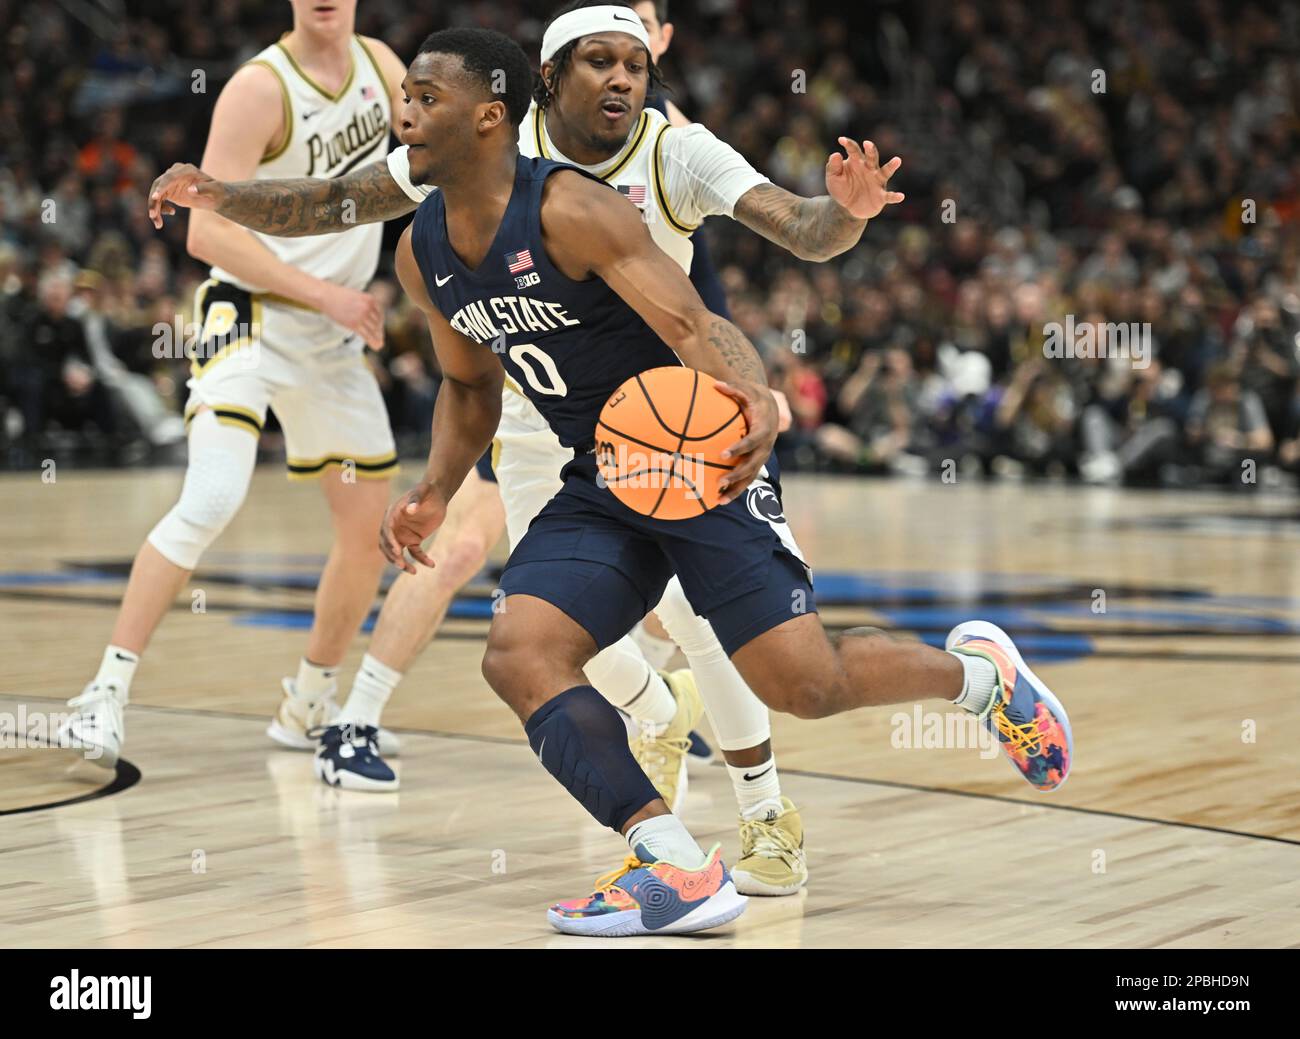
<point x="345" y="780"/>
<point x="748" y="884"/>
<point x="698" y="764"/>
<point x="722" y="908"/>
<point x="389" y="745"/>
<point x="985" y="630"/>
<point x="70" y="739"/>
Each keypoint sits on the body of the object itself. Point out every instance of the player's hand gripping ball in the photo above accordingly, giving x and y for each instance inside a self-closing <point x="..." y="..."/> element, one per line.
<point x="660" y="439"/>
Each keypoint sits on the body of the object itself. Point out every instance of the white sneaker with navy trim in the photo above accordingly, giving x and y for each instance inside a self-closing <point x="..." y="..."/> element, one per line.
<point x="294" y="719"/>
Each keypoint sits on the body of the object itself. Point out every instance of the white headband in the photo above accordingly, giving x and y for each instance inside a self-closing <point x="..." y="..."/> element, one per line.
<point x="588" y="20"/>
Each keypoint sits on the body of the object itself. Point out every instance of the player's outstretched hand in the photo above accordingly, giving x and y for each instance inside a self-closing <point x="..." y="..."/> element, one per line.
<point x="359" y="312"/>
<point x="752" y="450"/>
<point x="183" y="185"/>
<point x="858" y="182"/>
<point x="409" y="520"/>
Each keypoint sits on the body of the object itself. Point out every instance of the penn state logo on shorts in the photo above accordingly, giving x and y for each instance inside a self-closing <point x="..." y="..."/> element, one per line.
<point x="764" y="504"/>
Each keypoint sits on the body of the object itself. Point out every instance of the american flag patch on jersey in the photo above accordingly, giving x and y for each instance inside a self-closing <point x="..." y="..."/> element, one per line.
<point x="635" y="193"/>
<point x="367" y="93"/>
<point x="519" y="262"/>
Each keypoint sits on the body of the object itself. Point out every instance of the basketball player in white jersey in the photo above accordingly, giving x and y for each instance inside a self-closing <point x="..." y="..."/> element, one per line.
<point x="592" y="115"/>
<point x="284" y="324"/>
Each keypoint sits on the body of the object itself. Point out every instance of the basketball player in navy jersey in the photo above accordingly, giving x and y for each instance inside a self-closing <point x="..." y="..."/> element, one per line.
<point x="605" y="304"/>
<point x="583" y="70"/>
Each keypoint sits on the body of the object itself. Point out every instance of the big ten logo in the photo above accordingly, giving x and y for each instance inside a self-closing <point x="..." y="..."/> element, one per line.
<point x="522" y="281"/>
<point x="198" y="861"/>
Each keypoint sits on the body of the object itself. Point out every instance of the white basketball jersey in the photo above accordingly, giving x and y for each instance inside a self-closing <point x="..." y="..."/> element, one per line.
<point x="636" y="171"/>
<point x="328" y="135"/>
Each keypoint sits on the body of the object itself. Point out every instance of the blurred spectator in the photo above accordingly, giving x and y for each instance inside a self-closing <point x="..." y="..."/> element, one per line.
<point x="1170" y="198"/>
<point x="1226" y="425"/>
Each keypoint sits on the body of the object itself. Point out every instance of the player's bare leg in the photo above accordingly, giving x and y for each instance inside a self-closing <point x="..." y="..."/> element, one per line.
<point x="221" y="460"/>
<point x="344" y="596"/>
<point x="772" y="859"/>
<point x="794" y="667"/>
<point x="534" y="662"/>
<point x="152" y="588"/>
<point x="417" y="604"/>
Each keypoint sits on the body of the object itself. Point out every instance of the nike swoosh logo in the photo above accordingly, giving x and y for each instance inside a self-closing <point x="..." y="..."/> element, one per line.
<point x="120" y="657"/>
<point x="443" y="281"/>
<point x="308" y="115"/>
<point x="541" y="748"/>
<point x="759" y="775"/>
<point x="620" y="18"/>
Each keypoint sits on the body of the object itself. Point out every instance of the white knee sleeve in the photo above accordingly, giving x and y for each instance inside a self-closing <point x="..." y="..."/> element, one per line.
<point x="619" y="671"/>
<point x="216" y="480"/>
<point x="740" y="720"/>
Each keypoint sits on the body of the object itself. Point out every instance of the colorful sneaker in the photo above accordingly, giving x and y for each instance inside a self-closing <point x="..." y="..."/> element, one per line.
<point x="348" y="758"/>
<point x="1027" y="719"/>
<point x="663" y="757"/>
<point x="649" y="897"/>
<point x="772" y="859"/>
<point x="294" y="719"/>
<point x="699" y="755"/>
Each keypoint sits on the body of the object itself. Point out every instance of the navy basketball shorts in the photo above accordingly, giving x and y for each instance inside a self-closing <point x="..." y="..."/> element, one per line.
<point x="606" y="565"/>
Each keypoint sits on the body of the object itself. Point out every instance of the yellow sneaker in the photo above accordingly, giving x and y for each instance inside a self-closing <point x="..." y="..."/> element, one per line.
<point x="663" y="757"/>
<point x="772" y="859"/>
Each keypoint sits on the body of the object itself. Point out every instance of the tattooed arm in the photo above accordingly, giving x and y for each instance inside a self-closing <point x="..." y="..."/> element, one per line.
<point x="287" y="208"/>
<point x="825" y="226"/>
<point x="588" y="229"/>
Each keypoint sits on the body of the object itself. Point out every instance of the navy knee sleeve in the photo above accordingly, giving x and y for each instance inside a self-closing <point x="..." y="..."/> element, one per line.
<point x="582" y="741"/>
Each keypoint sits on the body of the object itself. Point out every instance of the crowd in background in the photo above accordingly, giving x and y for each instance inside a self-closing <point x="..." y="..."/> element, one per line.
<point x="1109" y="162"/>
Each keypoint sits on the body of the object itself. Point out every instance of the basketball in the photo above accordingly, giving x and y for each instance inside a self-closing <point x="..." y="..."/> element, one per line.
<point x="660" y="439"/>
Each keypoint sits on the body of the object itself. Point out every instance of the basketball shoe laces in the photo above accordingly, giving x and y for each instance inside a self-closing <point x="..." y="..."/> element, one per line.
<point x="1027" y="737"/>
<point x="607" y="880"/>
<point x="763" y="838"/>
<point x="352" y="734"/>
<point x="104" y="707"/>
<point x="658" y="754"/>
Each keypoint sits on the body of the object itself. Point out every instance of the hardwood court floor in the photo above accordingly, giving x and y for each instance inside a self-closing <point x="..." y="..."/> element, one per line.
<point x="1179" y="827"/>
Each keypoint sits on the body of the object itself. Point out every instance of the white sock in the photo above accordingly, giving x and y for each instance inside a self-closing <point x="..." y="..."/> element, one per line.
<point x="978" y="682"/>
<point x="663" y="837"/>
<point x="313" y="681"/>
<point x="371" y="689"/>
<point x="758" y="789"/>
<point x="658" y="651"/>
<point x="621" y="675"/>
<point x="118" y="667"/>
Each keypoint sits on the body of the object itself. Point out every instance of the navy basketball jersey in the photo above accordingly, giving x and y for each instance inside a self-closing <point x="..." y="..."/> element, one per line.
<point x="567" y="344"/>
